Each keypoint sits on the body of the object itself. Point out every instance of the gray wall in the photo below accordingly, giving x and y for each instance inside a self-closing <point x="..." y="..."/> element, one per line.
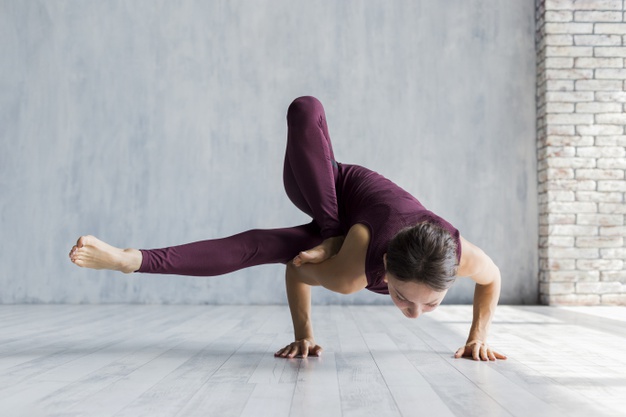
<point x="153" y="123"/>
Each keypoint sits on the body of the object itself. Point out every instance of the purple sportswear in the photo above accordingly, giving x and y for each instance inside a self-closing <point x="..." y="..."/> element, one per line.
<point x="337" y="196"/>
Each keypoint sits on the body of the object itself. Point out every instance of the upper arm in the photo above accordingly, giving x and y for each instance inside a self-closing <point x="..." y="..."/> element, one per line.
<point x="476" y="264"/>
<point x="345" y="272"/>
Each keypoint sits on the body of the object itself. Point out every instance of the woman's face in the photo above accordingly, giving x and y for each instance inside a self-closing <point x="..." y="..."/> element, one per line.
<point x="413" y="298"/>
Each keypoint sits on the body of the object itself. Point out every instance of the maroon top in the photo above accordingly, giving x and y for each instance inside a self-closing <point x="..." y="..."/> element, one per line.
<point x="367" y="197"/>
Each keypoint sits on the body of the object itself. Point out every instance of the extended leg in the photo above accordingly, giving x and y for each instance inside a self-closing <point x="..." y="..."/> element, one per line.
<point x="203" y="258"/>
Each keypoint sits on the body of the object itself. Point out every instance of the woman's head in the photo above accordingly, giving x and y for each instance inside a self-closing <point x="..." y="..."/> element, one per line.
<point x="426" y="254"/>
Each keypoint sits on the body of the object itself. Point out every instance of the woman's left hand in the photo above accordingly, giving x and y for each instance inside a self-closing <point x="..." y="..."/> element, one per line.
<point x="478" y="350"/>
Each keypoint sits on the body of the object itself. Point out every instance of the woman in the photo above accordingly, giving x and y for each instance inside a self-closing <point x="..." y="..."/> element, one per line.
<point x="366" y="233"/>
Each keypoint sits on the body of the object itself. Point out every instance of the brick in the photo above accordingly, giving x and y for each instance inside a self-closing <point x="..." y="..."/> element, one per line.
<point x="572" y="230"/>
<point x="561" y="173"/>
<point x="617" y="276"/>
<point x="559" y="151"/>
<point x="572" y="207"/>
<point x="610" y="51"/>
<point x="560" y="130"/>
<point x="572" y="253"/>
<point x="612" y="208"/>
<point x="570" y="118"/>
<point x="553" y="288"/>
<point x="601" y="73"/>
<point x="599" y="264"/>
<point x="597" y="40"/>
<point x="570" y="74"/>
<point x="609" y="185"/>
<point x="600" y="219"/>
<point x="557" y="264"/>
<point x="558" y="140"/>
<point x="599" y="174"/>
<point x="571" y="162"/>
<point x="596" y="16"/>
<point x="613" y="253"/>
<point x="555" y="195"/>
<point x="559" y="28"/>
<point x="617" y="28"/>
<point x="558" y="40"/>
<point x="569" y="51"/>
<point x="611" y="118"/>
<point x="572" y="276"/>
<point x="561" y="85"/>
<point x="557" y="241"/>
<point x="554" y="107"/>
<point x="599" y="242"/>
<point x="558" y="16"/>
<point x="617" y="96"/>
<point x="552" y="218"/>
<point x="598" y="107"/>
<point x="611" y="163"/>
<point x="619" y="140"/>
<point x="598" y="85"/>
<point x="613" y="231"/>
<point x="600" y="151"/>
<point x="584" y="62"/>
<point x="598" y="287"/>
<point x="569" y="96"/>
<point x="572" y="299"/>
<point x="614" y="299"/>
<point x="598" y="197"/>
<point x="594" y="130"/>
<point x="574" y="185"/>
<point x="583" y="5"/>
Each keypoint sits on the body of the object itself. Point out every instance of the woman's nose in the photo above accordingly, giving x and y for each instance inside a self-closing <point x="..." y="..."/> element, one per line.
<point x="413" y="313"/>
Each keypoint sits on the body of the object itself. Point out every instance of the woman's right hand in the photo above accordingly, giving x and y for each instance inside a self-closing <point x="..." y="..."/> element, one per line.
<point x="301" y="347"/>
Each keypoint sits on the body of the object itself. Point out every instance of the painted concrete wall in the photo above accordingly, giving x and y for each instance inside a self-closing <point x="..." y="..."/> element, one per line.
<point x="154" y="123"/>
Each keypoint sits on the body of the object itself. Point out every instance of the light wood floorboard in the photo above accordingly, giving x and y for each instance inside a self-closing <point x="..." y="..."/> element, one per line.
<point x="191" y="361"/>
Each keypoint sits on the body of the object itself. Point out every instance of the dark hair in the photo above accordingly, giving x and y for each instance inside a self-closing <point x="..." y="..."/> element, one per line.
<point x="424" y="253"/>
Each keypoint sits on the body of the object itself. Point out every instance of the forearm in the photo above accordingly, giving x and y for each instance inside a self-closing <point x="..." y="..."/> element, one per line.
<point x="485" y="302"/>
<point x="299" y="298"/>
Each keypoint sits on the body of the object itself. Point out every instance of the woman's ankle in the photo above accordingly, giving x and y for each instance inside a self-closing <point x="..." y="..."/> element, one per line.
<point x="131" y="260"/>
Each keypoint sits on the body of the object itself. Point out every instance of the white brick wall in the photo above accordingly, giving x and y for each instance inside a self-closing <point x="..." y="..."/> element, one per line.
<point x="581" y="150"/>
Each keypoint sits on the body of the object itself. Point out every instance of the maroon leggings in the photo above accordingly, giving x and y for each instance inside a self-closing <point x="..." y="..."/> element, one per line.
<point x="309" y="176"/>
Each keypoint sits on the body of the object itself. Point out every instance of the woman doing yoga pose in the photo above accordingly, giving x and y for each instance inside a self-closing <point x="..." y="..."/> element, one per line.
<point x="366" y="233"/>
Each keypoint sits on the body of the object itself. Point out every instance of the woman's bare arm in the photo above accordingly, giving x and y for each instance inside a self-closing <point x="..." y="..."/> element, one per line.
<point x="343" y="273"/>
<point x="477" y="265"/>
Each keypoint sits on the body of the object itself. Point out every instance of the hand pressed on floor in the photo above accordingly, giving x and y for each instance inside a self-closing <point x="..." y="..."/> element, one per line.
<point x="478" y="350"/>
<point x="301" y="348"/>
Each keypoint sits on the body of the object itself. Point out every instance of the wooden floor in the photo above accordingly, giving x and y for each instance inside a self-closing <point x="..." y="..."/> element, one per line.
<point x="153" y="360"/>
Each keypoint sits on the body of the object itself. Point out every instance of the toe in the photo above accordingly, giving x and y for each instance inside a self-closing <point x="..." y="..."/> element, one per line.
<point x="84" y="240"/>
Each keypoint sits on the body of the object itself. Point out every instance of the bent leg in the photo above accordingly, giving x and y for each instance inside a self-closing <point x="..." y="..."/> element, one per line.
<point x="221" y="256"/>
<point x="310" y="170"/>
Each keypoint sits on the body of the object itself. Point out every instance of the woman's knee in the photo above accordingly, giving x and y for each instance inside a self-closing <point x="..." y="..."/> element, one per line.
<point x="304" y="107"/>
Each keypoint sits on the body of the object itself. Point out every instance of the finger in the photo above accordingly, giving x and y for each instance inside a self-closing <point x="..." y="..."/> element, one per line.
<point x="499" y="355"/>
<point x="483" y="353"/>
<point x="492" y="357"/>
<point x="293" y="351"/>
<point x="304" y="349"/>
<point x="459" y="352"/>
<point x="317" y="351"/>
<point x="284" y="351"/>
<point x="476" y="352"/>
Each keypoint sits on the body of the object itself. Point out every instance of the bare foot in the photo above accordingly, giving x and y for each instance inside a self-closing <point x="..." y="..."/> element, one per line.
<point x="90" y="252"/>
